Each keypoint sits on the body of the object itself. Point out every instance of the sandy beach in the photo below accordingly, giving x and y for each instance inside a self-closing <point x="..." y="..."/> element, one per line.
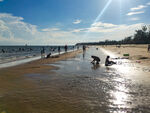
<point x="74" y="56"/>
<point x="71" y="84"/>
<point x="37" y="66"/>
<point x="12" y="82"/>
<point x="137" y="53"/>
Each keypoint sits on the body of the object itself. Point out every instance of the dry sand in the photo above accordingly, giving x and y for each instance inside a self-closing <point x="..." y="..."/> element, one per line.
<point x="137" y="53"/>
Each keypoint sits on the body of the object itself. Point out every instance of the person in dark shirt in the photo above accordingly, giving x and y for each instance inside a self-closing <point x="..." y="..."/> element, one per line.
<point x="108" y="62"/>
<point x="49" y="55"/>
<point x="95" y="58"/>
<point x="43" y="52"/>
<point x="84" y="47"/>
<point x="66" y="48"/>
<point x="59" y="49"/>
<point x="3" y="51"/>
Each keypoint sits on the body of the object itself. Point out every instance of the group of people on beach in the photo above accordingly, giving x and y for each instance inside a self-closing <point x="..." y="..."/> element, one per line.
<point x="54" y="49"/>
<point x="16" y="50"/>
<point x="48" y="55"/>
<point x="96" y="59"/>
<point x="108" y="62"/>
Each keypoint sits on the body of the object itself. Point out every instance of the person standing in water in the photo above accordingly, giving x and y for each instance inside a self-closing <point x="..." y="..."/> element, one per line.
<point x="59" y="49"/>
<point x="84" y="47"/>
<point x="66" y="48"/>
<point x="43" y="52"/>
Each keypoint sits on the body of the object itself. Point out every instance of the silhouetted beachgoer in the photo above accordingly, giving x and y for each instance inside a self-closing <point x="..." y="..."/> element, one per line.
<point x="66" y="48"/>
<point x="84" y="47"/>
<point x="108" y="62"/>
<point x="95" y="58"/>
<point x="73" y="47"/>
<point x="148" y="48"/>
<point x="49" y="55"/>
<point x="43" y="52"/>
<point x="59" y="49"/>
<point x="31" y="49"/>
<point x="77" y="47"/>
<point x="84" y="54"/>
<point x="19" y="49"/>
<point x="3" y="51"/>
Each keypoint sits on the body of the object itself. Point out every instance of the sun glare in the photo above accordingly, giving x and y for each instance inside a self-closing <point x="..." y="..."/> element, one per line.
<point x="100" y="15"/>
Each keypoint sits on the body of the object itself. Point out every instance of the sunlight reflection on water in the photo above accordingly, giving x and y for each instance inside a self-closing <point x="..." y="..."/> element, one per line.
<point x="112" y="80"/>
<point x="120" y="96"/>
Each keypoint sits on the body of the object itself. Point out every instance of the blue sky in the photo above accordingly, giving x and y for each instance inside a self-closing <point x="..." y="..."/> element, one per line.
<point x="39" y="22"/>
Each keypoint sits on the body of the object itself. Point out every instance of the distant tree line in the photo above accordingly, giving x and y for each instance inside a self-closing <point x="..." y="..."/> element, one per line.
<point x="141" y="36"/>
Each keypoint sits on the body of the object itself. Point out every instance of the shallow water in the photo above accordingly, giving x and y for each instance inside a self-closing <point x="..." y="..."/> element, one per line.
<point x="80" y="87"/>
<point x="120" y="88"/>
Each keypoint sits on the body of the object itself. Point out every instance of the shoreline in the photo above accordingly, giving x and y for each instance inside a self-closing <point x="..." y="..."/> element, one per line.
<point x="37" y="66"/>
<point x="26" y="60"/>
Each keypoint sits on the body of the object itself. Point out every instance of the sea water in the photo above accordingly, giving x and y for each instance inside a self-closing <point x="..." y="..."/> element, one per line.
<point x="15" y="53"/>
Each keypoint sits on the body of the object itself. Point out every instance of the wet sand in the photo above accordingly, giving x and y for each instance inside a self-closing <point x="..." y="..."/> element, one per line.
<point x="19" y="94"/>
<point x="71" y="84"/>
<point x="37" y="66"/>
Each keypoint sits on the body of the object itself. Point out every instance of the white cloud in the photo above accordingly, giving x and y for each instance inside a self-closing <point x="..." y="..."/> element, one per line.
<point x="121" y="31"/>
<point x="77" y="21"/>
<point x="102" y="31"/>
<point x="107" y="29"/>
<point x="135" y="19"/>
<point x="1" y="0"/>
<point x="100" y="24"/>
<point x="9" y="17"/>
<point x="13" y="30"/>
<point x="135" y="13"/>
<point x="138" y="7"/>
<point x="50" y="29"/>
<point x="79" y="30"/>
<point x="148" y="3"/>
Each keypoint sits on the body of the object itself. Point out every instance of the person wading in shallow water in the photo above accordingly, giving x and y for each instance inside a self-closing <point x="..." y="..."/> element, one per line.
<point x="95" y="58"/>
<point x="108" y="62"/>
<point x="43" y="53"/>
<point x="66" y="48"/>
<point x="59" y="49"/>
<point x="84" y="48"/>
